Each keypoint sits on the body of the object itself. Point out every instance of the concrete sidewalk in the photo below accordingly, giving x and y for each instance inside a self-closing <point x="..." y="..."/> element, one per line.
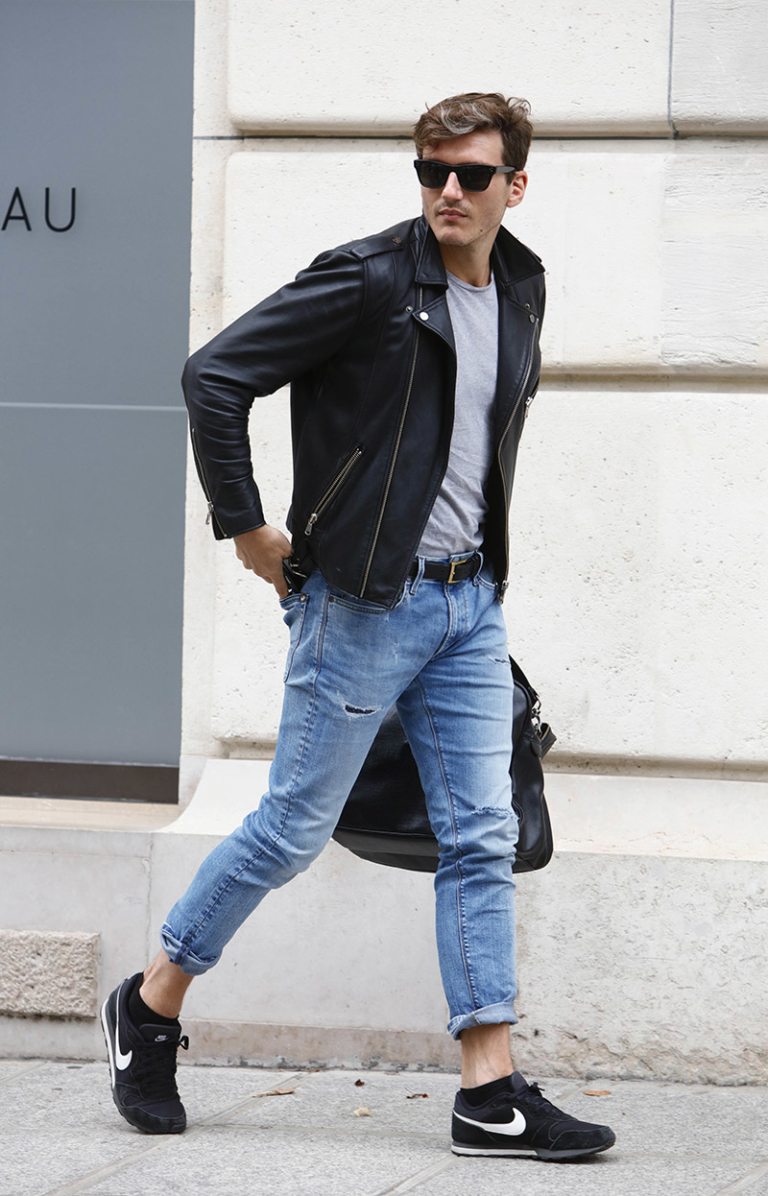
<point x="273" y="1133"/>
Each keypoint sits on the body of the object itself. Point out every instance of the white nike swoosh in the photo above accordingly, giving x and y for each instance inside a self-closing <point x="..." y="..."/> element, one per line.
<point x="121" y="1061"/>
<point x="512" y="1128"/>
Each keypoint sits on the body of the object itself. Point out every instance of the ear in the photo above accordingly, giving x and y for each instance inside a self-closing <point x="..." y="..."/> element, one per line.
<point x="517" y="189"/>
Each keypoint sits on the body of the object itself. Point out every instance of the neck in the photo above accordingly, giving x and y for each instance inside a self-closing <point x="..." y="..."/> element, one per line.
<point x="471" y="267"/>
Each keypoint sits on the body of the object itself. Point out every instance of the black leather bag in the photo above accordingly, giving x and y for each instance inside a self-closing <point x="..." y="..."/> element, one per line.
<point x="385" y="819"/>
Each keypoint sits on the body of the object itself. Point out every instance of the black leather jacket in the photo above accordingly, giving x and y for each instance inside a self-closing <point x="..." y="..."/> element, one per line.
<point x="364" y="337"/>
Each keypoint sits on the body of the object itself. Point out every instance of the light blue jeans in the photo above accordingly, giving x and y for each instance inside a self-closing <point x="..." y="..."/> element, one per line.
<point x="441" y="655"/>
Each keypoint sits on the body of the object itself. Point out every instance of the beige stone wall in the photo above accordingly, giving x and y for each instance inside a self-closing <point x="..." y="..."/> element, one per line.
<point x="368" y="68"/>
<point x="639" y="517"/>
<point x="638" y="547"/>
<point x="638" y="523"/>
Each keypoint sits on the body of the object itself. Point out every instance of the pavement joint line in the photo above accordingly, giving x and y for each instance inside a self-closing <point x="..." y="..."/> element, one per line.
<point x="420" y="1177"/>
<point x="164" y="1141"/>
<point x="23" y="1071"/>
<point x="246" y="1100"/>
<point x="669" y="1156"/>
<point x="746" y="1181"/>
<point x="93" y="1177"/>
<point x="342" y="1130"/>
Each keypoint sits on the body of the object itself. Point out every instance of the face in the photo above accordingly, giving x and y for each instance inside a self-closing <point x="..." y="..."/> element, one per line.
<point x="470" y="218"/>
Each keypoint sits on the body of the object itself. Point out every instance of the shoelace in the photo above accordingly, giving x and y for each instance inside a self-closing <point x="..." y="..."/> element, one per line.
<point x="536" y="1097"/>
<point x="155" y="1068"/>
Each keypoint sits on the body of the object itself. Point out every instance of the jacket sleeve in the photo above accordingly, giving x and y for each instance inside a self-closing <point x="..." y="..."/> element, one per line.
<point x="294" y="330"/>
<point x="542" y="303"/>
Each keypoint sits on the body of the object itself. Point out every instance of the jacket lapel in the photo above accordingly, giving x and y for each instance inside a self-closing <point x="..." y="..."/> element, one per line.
<point x="512" y="263"/>
<point x="516" y="336"/>
<point x="433" y="285"/>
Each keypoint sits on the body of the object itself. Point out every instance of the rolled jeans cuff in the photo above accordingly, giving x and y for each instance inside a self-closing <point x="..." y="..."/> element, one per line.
<point x="489" y="1015"/>
<point x="180" y="954"/>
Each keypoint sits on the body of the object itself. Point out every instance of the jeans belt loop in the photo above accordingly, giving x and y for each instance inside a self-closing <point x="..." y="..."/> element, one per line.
<point x="480" y="563"/>
<point x="421" y="562"/>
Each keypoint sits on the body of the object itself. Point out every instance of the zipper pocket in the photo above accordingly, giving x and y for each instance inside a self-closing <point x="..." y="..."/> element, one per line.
<point x="395" y="451"/>
<point x="333" y="489"/>
<point x="504" y="584"/>
<point x="203" y="481"/>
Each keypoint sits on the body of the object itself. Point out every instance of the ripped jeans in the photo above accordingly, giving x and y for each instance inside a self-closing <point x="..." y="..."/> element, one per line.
<point x="441" y="654"/>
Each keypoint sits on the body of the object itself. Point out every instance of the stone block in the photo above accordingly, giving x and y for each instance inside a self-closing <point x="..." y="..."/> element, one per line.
<point x="199" y="569"/>
<point x="633" y="546"/>
<point x="80" y="881"/>
<point x="643" y="966"/>
<point x="681" y="817"/>
<point x="719" y="82"/>
<point x="639" y="571"/>
<point x="630" y="284"/>
<point x="211" y="115"/>
<point x="351" y="68"/>
<point x="627" y="942"/>
<point x="630" y="293"/>
<point x="714" y="254"/>
<point x="49" y="972"/>
<point x="326" y="950"/>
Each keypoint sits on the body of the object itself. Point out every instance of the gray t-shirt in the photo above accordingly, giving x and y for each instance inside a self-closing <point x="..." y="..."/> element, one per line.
<point x="456" y="522"/>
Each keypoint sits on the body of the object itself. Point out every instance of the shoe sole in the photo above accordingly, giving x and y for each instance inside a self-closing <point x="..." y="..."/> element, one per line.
<point x="549" y="1156"/>
<point x="106" y="1027"/>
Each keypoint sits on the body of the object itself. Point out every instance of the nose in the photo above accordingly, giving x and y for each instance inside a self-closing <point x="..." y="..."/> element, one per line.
<point x="452" y="190"/>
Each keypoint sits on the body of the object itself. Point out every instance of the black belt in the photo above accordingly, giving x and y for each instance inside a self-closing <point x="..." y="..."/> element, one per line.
<point x="449" y="571"/>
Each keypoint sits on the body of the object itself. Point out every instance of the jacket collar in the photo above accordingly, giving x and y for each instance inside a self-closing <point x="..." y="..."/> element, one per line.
<point x="512" y="261"/>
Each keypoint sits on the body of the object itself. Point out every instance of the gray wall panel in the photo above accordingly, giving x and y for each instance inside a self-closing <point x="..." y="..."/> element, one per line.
<point x="90" y="588"/>
<point x="93" y="335"/>
<point x="97" y="97"/>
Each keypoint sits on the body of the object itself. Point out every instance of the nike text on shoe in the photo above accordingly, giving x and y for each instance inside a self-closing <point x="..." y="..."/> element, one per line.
<point x="142" y="1062"/>
<point x="520" y="1121"/>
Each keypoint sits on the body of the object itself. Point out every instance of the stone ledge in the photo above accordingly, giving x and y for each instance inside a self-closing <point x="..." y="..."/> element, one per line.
<point x="649" y="816"/>
<point x="257" y="1044"/>
<point x="49" y="973"/>
<point x="56" y="812"/>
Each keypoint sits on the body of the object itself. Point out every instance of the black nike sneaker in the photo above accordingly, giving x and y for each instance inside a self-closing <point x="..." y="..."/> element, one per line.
<point x="520" y="1121"/>
<point x="142" y="1060"/>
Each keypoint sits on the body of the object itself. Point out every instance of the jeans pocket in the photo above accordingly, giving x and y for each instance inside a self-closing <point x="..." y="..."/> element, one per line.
<point x="486" y="581"/>
<point x="359" y="605"/>
<point x="294" y="609"/>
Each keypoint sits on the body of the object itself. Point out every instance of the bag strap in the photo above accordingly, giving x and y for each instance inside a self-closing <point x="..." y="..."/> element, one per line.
<point x="543" y="737"/>
<point x="521" y="679"/>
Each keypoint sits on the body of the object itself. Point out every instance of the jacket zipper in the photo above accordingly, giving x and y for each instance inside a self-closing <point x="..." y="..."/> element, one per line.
<point x="211" y="513"/>
<point x="393" y="462"/>
<point x="504" y="584"/>
<point x="332" y="490"/>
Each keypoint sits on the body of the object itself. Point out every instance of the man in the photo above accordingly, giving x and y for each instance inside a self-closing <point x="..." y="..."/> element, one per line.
<point x="412" y="358"/>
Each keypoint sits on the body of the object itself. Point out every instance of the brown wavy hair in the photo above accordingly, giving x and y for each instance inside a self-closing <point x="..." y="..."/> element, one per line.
<point x="472" y="113"/>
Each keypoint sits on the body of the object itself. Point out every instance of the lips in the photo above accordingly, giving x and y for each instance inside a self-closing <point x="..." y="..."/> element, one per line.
<point x="450" y="212"/>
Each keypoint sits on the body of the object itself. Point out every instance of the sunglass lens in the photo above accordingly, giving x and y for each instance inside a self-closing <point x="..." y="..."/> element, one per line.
<point x="474" y="178"/>
<point x="431" y="174"/>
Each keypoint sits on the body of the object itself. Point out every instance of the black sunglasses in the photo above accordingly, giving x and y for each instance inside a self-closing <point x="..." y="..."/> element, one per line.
<point x="472" y="177"/>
